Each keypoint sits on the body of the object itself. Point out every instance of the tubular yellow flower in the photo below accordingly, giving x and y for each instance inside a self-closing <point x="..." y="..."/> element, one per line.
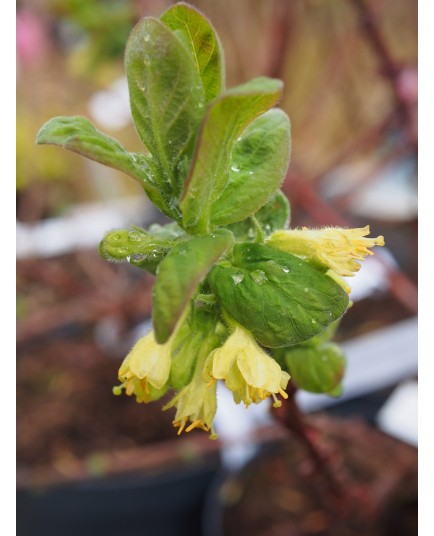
<point x="332" y="247"/>
<point x="196" y="403"/>
<point x="145" y="370"/>
<point x="247" y="370"/>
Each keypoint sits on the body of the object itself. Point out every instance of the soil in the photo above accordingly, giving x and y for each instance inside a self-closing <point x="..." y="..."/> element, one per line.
<point x="280" y="494"/>
<point x="76" y="314"/>
<point x="66" y="409"/>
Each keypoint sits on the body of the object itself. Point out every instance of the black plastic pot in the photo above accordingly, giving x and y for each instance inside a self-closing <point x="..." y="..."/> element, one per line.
<point x="133" y="505"/>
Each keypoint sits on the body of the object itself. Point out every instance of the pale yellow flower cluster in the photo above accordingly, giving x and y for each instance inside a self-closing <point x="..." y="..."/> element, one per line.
<point x="248" y="371"/>
<point x="333" y="247"/>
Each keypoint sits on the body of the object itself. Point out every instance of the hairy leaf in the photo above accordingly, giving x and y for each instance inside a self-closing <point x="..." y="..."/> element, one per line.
<point x="225" y="120"/>
<point x="258" y="166"/>
<point x="272" y="216"/>
<point x="197" y="331"/>
<point x="204" y="44"/>
<point x="167" y="99"/>
<point x="281" y="299"/>
<point x="139" y="247"/>
<point x="179" y="274"/>
<point x="78" y="134"/>
<point x="316" y="368"/>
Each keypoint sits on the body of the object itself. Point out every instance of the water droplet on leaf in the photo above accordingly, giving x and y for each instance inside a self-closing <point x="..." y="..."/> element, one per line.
<point x="134" y="236"/>
<point x="259" y="277"/>
<point x="238" y="277"/>
<point x="138" y="257"/>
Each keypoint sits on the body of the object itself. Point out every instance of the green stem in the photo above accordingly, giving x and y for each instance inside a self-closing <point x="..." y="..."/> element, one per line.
<point x="260" y="235"/>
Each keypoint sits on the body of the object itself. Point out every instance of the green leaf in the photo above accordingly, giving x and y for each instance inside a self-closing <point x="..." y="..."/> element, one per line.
<point x="167" y="99"/>
<point x="141" y="248"/>
<point x="225" y="120"/>
<point x="78" y="134"/>
<point x="179" y="275"/>
<point x="196" y="332"/>
<point x="280" y="298"/>
<point x="316" y="368"/>
<point x="204" y="44"/>
<point x="272" y="216"/>
<point x="259" y="163"/>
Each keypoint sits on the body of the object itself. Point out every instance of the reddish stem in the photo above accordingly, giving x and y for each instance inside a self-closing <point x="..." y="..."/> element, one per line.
<point x="290" y="416"/>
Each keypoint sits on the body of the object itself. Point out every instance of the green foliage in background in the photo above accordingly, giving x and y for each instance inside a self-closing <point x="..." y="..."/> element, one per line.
<point x="102" y="25"/>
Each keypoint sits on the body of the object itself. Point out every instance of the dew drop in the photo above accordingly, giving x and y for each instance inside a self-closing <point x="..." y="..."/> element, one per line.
<point x="251" y="233"/>
<point x="237" y="278"/>
<point x="285" y="269"/>
<point x="134" y="236"/>
<point x="235" y="167"/>
<point x="138" y="257"/>
<point x="313" y="321"/>
<point x="259" y="277"/>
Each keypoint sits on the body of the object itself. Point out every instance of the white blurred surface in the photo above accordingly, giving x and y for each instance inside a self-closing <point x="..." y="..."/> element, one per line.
<point x="110" y="108"/>
<point x="83" y="227"/>
<point x="398" y="416"/>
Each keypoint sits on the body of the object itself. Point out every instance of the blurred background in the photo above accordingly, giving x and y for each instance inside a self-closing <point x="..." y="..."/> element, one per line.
<point x="350" y="74"/>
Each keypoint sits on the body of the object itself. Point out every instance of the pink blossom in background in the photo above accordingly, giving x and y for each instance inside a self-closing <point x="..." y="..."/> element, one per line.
<point x="31" y="38"/>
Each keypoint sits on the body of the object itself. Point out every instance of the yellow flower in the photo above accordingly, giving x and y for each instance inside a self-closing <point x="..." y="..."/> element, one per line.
<point x="145" y="370"/>
<point x="196" y="403"/>
<point x="333" y="247"/>
<point x="250" y="373"/>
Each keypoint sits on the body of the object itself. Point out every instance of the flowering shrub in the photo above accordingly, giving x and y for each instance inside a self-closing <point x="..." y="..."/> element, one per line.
<point x="238" y="296"/>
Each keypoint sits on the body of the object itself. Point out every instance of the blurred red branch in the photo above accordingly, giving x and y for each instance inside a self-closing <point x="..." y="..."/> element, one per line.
<point x="390" y="69"/>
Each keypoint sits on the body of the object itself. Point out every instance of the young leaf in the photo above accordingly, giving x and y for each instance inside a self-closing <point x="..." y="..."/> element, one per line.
<point x="258" y="166"/>
<point x="315" y="368"/>
<point x="203" y="41"/>
<point x="78" y="134"/>
<point x="281" y="299"/>
<point x="166" y="97"/>
<point x="272" y="216"/>
<point x="179" y="275"/>
<point x="196" y="331"/>
<point x="141" y="248"/>
<point x="225" y="119"/>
